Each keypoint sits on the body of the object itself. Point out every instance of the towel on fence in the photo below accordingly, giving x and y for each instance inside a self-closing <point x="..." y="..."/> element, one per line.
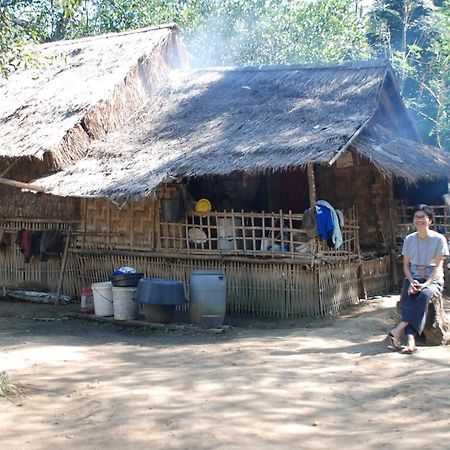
<point x="328" y="224"/>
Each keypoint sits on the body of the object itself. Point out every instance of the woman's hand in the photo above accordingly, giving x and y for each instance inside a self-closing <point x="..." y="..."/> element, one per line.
<point x="414" y="288"/>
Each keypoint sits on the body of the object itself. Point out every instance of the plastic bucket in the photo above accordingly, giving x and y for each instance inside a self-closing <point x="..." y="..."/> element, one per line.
<point x="103" y="300"/>
<point x="124" y="306"/>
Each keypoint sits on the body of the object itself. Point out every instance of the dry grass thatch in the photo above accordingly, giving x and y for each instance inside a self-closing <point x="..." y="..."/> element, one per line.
<point x="8" y="388"/>
<point x="81" y="90"/>
<point x="214" y="122"/>
<point x="219" y="121"/>
<point x="406" y="159"/>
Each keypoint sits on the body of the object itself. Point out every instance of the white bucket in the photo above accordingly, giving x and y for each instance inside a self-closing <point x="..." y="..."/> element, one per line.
<point x="125" y="308"/>
<point x="103" y="300"/>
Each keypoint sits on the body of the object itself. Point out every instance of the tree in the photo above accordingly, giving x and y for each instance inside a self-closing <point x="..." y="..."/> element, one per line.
<point x="414" y="36"/>
<point x="243" y="32"/>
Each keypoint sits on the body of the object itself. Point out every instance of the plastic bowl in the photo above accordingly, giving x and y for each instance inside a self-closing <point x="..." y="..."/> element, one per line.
<point x="203" y="205"/>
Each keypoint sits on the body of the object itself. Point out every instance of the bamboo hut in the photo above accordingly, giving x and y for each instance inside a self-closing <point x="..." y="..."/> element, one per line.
<point x="123" y="163"/>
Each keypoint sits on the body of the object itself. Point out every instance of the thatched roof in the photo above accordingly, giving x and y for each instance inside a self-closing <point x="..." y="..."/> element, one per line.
<point x="214" y="122"/>
<point x="82" y="89"/>
<point x="406" y="159"/>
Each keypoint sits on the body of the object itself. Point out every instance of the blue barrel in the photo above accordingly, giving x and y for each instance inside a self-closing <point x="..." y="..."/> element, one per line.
<point x="207" y="294"/>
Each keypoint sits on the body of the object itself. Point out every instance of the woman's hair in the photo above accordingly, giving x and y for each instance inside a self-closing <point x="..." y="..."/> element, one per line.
<point x="426" y="209"/>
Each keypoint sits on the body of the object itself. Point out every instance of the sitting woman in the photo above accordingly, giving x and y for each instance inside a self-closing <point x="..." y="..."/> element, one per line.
<point x="423" y="261"/>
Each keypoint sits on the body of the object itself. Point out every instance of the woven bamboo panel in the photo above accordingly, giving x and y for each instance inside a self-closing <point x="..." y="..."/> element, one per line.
<point x="377" y="275"/>
<point x="130" y="224"/>
<point x="270" y="290"/>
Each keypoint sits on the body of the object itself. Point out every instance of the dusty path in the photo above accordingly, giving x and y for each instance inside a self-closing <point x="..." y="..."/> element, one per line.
<point x="320" y="384"/>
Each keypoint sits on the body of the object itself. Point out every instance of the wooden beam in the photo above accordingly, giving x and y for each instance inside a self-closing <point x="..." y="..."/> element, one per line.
<point x="21" y="185"/>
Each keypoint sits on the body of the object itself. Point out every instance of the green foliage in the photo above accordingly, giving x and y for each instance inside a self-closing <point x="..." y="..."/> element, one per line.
<point x="242" y="32"/>
<point x="414" y="35"/>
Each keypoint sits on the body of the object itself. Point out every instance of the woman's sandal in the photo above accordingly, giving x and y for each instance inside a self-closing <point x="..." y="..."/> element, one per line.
<point x="408" y="350"/>
<point x="393" y="342"/>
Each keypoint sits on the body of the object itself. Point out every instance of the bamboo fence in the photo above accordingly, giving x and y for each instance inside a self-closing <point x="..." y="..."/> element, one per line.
<point x="254" y="234"/>
<point x="270" y="289"/>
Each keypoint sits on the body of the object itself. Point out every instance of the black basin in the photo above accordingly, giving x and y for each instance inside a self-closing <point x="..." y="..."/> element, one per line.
<point x="156" y="291"/>
<point x="126" y="279"/>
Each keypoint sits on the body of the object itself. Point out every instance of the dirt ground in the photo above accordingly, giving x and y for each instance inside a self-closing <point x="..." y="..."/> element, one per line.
<point x="305" y="384"/>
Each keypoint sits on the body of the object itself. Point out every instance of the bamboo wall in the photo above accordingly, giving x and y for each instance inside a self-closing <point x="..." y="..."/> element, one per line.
<point x="354" y="181"/>
<point x="122" y="225"/>
<point x="108" y="236"/>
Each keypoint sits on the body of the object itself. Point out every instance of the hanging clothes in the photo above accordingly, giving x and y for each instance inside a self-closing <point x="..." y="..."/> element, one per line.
<point x="4" y="238"/>
<point x="309" y="222"/>
<point x="51" y="244"/>
<point x="328" y="227"/>
<point x="24" y="241"/>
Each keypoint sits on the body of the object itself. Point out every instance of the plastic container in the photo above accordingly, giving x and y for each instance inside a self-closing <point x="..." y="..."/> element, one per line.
<point x="124" y="305"/>
<point x="126" y="279"/>
<point x="87" y="300"/>
<point x="207" y="295"/>
<point x="103" y="300"/>
<point x="156" y="291"/>
<point x="203" y="205"/>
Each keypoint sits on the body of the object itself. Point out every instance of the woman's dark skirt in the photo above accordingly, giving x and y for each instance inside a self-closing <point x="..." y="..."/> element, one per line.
<point x="415" y="307"/>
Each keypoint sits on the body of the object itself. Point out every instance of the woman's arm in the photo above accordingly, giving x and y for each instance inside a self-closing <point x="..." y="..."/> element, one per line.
<point x="406" y="269"/>
<point x="438" y="268"/>
<point x="414" y="286"/>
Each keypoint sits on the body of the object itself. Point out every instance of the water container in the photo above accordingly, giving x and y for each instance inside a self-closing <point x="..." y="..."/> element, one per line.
<point x="124" y="306"/>
<point x="87" y="300"/>
<point x="103" y="301"/>
<point x="207" y="294"/>
<point x="229" y="231"/>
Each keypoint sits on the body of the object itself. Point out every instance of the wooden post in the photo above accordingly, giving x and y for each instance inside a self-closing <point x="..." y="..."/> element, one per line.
<point x="63" y="267"/>
<point x="311" y="185"/>
<point x="392" y="229"/>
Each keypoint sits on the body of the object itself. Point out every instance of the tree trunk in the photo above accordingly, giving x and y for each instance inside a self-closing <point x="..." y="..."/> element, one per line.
<point x="437" y="326"/>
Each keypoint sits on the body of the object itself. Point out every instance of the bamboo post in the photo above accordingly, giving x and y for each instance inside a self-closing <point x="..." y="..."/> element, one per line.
<point x="63" y="266"/>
